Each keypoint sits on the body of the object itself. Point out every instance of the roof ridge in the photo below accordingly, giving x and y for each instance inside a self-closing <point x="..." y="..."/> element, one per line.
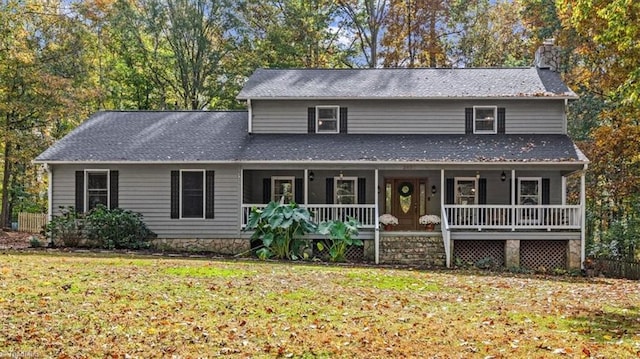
<point x="175" y="111"/>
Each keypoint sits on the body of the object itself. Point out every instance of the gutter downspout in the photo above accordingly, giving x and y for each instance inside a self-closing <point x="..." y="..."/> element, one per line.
<point x="49" y="197"/>
<point x="249" y="116"/>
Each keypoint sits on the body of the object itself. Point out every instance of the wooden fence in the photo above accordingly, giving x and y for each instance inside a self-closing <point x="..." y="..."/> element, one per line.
<point x="31" y="222"/>
<point x="614" y="268"/>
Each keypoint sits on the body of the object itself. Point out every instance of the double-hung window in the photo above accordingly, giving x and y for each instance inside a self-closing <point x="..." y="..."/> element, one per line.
<point x="327" y="119"/>
<point x="485" y="119"/>
<point x="192" y="193"/>
<point x="529" y="192"/>
<point x="97" y="190"/>
<point x="466" y="190"/>
<point x="284" y="189"/>
<point x="346" y="190"/>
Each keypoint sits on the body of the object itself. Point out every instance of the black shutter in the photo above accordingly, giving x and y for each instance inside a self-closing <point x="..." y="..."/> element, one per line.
<point x="79" y="191"/>
<point x="362" y="190"/>
<point x="266" y="190"/>
<point x="311" y="120"/>
<point x="113" y="189"/>
<point x="501" y="120"/>
<point x="210" y="194"/>
<point x="343" y="120"/>
<point x="510" y="195"/>
<point x="299" y="190"/>
<point x="546" y="191"/>
<point x="450" y="191"/>
<point x="329" y="195"/>
<point x="482" y="191"/>
<point x="175" y="194"/>
<point x="468" y="120"/>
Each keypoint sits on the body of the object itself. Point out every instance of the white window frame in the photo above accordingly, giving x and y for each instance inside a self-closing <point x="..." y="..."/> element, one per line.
<point x="337" y="109"/>
<point x="86" y="186"/>
<point x="204" y="193"/>
<point x="355" y="188"/>
<point x="539" y="195"/>
<point x="457" y="180"/>
<point x="283" y="178"/>
<point x="495" y="119"/>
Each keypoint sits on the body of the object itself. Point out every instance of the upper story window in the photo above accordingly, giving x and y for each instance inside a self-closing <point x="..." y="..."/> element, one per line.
<point x="283" y="189"/>
<point x="485" y="119"/>
<point x="327" y="119"/>
<point x="97" y="188"/>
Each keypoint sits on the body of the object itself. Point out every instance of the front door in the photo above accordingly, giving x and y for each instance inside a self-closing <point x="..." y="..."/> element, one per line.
<point x="406" y="202"/>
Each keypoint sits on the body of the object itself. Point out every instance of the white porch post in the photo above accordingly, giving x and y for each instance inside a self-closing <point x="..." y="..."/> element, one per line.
<point x="241" y="179"/>
<point x="513" y="200"/>
<point x="306" y="186"/>
<point x="445" y="234"/>
<point x="564" y="190"/>
<point x="49" y="196"/>
<point x="376" y="229"/>
<point x="583" y="221"/>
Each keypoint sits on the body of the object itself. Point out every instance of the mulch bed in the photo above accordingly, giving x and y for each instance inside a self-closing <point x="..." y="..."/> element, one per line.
<point x="17" y="240"/>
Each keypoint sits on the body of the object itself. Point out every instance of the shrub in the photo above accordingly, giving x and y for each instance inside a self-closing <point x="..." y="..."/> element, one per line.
<point x="34" y="242"/>
<point x="341" y="237"/>
<point x="281" y="228"/>
<point x="65" y="229"/>
<point x="117" y="228"/>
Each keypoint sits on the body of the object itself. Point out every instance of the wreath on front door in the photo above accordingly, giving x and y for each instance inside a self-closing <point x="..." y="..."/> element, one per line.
<point x="405" y="189"/>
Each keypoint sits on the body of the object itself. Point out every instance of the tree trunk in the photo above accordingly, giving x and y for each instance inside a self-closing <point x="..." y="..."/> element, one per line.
<point x="5" y="216"/>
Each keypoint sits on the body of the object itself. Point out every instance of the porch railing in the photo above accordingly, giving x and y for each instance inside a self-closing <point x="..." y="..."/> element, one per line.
<point x="364" y="213"/>
<point x="513" y="217"/>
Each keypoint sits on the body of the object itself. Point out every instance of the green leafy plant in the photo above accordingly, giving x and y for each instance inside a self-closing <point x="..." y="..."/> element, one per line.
<point x="34" y="242"/>
<point x="281" y="228"/>
<point x="117" y="228"/>
<point x="340" y="235"/>
<point x="65" y="229"/>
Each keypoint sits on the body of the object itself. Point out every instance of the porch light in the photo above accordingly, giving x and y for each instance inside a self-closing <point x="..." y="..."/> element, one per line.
<point x="312" y="176"/>
<point x="503" y="176"/>
<point x="434" y="189"/>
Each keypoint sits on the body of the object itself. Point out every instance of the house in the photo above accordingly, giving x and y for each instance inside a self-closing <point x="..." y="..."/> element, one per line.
<point x="485" y="149"/>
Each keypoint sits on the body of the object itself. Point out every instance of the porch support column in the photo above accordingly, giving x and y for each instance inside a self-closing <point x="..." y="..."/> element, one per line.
<point x="513" y="200"/>
<point x="306" y="186"/>
<point x="583" y="221"/>
<point x="446" y="236"/>
<point x="564" y="190"/>
<point x="49" y="197"/>
<point x="376" y="229"/>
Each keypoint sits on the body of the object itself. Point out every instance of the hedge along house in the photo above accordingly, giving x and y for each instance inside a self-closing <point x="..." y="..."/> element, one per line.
<point x="484" y="149"/>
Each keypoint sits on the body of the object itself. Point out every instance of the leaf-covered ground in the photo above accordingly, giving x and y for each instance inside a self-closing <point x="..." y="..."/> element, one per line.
<point x="89" y="305"/>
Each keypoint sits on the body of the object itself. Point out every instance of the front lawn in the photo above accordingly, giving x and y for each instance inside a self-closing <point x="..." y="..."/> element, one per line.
<point x="89" y="305"/>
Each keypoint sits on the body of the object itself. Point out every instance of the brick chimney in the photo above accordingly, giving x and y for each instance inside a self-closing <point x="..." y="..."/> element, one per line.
<point x="548" y="56"/>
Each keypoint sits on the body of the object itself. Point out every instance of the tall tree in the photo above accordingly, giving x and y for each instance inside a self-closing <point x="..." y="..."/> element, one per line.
<point x="366" y="20"/>
<point x="43" y="82"/>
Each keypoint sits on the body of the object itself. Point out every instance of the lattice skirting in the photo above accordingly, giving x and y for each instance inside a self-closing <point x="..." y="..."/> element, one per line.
<point x="547" y="254"/>
<point x="353" y="254"/>
<point x="475" y="251"/>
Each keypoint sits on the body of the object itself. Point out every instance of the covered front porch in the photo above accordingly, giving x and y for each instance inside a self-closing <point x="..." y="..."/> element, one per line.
<point x="481" y="200"/>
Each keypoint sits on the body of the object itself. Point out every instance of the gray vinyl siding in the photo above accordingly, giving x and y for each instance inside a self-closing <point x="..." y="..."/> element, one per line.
<point x="411" y="117"/>
<point x="147" y="189"/>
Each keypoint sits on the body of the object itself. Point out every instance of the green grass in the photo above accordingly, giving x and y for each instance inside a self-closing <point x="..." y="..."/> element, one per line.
<point x="108" y="306"/>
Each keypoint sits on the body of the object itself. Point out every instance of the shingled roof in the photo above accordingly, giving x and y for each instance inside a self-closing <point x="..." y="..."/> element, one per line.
<point x="404" y="83"/>
<point x="203" y="136"/>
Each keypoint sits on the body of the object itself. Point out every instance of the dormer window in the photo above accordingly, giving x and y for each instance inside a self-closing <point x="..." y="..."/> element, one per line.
<point x="327" y="119"/>
<point x="485" y="119"/>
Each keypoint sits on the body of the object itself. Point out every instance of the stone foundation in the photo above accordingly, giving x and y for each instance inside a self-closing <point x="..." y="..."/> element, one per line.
<point x="574" y="255"/>
<point x="213" y="245"/>
<point x="512" y="253"/>
<point x="412" y="249"/>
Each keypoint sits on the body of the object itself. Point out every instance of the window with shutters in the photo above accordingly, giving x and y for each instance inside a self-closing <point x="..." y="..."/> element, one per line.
<point x="529" y="191"/>
<point x="283" y="189"/>
<point x="327" y="119"/>
<point x="485" y="119"/>
<point x="192" y="193"/>
<point x="97" y="188"/>
<point x="345" y="190"/>
<point x="466" y="190"/>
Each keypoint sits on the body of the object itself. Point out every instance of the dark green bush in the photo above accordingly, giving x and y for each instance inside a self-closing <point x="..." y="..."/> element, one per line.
<point x="117" y="228"/>
<point x="66" y="229"/>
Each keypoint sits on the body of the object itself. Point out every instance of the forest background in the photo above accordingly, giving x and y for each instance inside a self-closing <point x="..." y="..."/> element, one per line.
<point x="62" y="60"/>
